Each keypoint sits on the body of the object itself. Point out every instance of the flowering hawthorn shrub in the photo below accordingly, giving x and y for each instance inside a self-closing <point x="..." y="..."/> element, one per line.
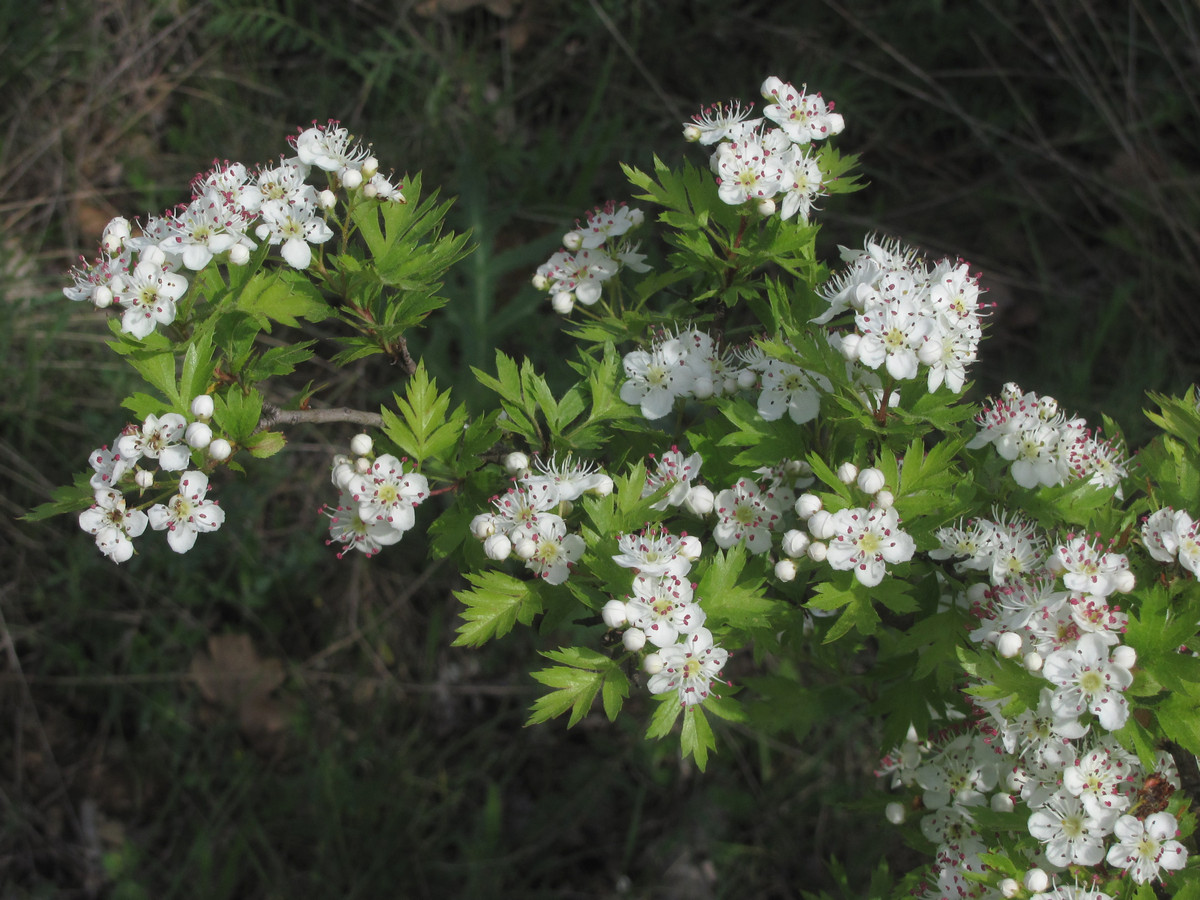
<point x="761" y="460"/>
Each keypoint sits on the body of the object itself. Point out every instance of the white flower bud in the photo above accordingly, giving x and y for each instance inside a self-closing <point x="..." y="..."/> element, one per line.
<point x="483" y="526"/>
<point x="1002" y="803"/>
<point x="1124" y="656"/>
<point x="703" y="388"/>
<point x="847" y="472"/>
<point x="977" y="593"/>
<point x="699" y="500"/>
<point x="563" y="302"/>
<point x="930" y="351"/>
<point x="220" y="450"/>
<point x="540" y="282"/>
<point x="362" y="465"/>
<point x="572" y="240"/>
<point x="198" y="435"/>
<point x="817" y="551"/>
<point x="691" y="133"/>
<point x="634" y="639"/>
<point x="1124" y="581"/>
<point x="785" y="570"/>
<point x="144" y="479"/>
<point x="747" y="378"/>
<point x="603" y="486"/>
<point x="116" y="233"/>
<point x="795" y="543"/>
<point x="895" y="813"/>
<point x="820" y="525"/>
<point x="870" y="481"/>
<point x="239" y="255"/>
<point x="102" y="297"/>
<point x="497" y="546"/>
<point x="652" y="664"/>
<point x="807" y="504"/>
<point x="202" y="407"/>
<point x="1037" y="880"/>
<point x="343" y="475"/>
<point x="614" y="613"/>
<point x="361" y="444"/>
<point x="370" y="167"/>
<point x="1008" y="644"/>
<point x="525" y="548"/>
<point x="690" y="547"/>
<point x="885" y="499"/>
<point x="1033" y="661"/>
<point x="765" y="207"/>
<point x="516" y="463"/>
<point x="849" y="346"/>
<point x="1009" y="888"/>
<point x="351" y="178"/>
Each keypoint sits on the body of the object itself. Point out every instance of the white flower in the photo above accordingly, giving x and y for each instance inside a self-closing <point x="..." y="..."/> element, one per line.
<point x="654" y="551"/>
<point x="656" y="377"/>
<point x="719" y="122"/>
<point x="1073" y="835"/>
<point x="389" y="495"/>
<point x="294" y="226"/>
<point x="676" y="471"/>
<point x="689" y="668"/>
<point x="866" y="540"/>
<point x="664" y="608"/>
<point x="187" y="513"/>
<point x="745" y="512"/>
<point x="113" y="524"/>
<point x="1087" y="680"/>
<point x="790" y="389"/>
<point x="347" y="527"/>
<point x="148" y="294"/>
<point x="554" y="549"/>
<point x="804" y="117"/>
<point x="1146" y="847"/>
<point x="159" y="438"/>
<point x="746" y="171"/>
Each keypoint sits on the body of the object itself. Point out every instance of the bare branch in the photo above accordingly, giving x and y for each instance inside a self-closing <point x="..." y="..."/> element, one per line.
<point x="273" y="415"/>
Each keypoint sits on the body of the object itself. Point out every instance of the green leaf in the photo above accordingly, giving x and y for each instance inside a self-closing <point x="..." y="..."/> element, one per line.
<point x="495" y="603"/>
<point x="696" y="738"/>
<point x="284" y="296"/>
<point x="67" y="499"/>
<point x="238" y="414"/>
<point x="266" y="443"/>
<point x="574" y="689"/>
<point x="424" y="429"/>
<point x="664" y="717"/>
<point x="728" y="598"/>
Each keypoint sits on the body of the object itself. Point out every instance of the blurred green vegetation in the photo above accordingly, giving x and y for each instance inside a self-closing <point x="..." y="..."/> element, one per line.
<point x="1050" y="143"/>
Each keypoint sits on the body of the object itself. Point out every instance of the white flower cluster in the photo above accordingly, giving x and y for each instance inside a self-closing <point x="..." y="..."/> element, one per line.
<point x="377" y="499"/>
<point x="141" y="273"/>
<point x="1169" y="535"/>
<point x="1043" y="445"/>
<point x="1077" y="783"/>
<point x="528" y="519"/>
<point x="755" y="163"/>
<point x="594" y="252"/>
<point x="167" y="441"/>
<point x="690" y="365"/>
<point x="908" y="314"/>
<point x="864" y="540"/>
<point x="664" y="611"/>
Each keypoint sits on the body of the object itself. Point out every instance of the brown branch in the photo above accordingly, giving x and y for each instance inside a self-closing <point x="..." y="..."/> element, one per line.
<point x="273" y="415"/>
